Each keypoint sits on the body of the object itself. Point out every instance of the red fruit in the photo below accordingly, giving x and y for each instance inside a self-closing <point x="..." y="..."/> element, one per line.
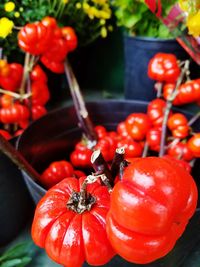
<point x="40" y="93"/>
<point x="132" y="148"/>
<point x="153" y="139"/>
<point x="194" y="145"/>
<point x="70" y="238"/>
<point x="178" y="124"/>
<point x="181" y="151"/>
<point x="137" y="125"/>
<point x="156" y="110"/>
<point x="5" y="134"/>
<point x="56" y="172"/>
<point x="38" y="112"/>
<point x="164" y="68"/>
<point x="150" y="208"/>
<point x="37" y="74"/>
<point x="81" y="156"/>
<point x="121" y="129"/>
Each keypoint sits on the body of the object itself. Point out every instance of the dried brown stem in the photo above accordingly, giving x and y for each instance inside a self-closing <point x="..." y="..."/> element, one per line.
<point x="81" y="201"/>
<point x="79" y="104"/>
<point x="118" y="158"/>
<point x="101" y="167"/>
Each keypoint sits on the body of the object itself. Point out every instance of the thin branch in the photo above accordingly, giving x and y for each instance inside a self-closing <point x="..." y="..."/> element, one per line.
<point x="169" y="106"/>
<point x="15" y="95"/>
<point x="79" y="104"/>
<point x="145" y="150"/>
<point x="194" y="119"/>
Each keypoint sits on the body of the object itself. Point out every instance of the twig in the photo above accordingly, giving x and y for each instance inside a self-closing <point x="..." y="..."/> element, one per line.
<point x="169" y="106"/>
<point x="158" y="87"/>
<point x="29" y="92"/>
<point x="15" y="95"/>
<point x="194" y="119"/>
<point x="145" y="150"/>
<point x="25" y="74"/>
<point x="79" y="104"/>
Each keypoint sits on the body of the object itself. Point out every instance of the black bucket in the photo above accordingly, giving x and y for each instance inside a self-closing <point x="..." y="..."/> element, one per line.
<point x="52" y="138"/>
<point x="138" y="51"/>
<point x="16" y="205"/>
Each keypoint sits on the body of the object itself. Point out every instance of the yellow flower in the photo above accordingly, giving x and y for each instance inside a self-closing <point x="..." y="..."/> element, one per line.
<point x="102" y="21"/>
<point x="193" y="24"/>
<point x="104" y="32"/>
<point x="17" y="14"/>
<point x="86" y="6"/>
<point x="105" y="14"/>
<point x="183" y="4"/>
<point x="9" y="7"/>
<point x="100" y="2"/>
<point x="78" y="5"/>
<point x="65" y="1"/>
<point x="6" y="26"/>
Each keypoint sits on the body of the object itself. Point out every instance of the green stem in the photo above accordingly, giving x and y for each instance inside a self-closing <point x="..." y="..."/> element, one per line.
<point x="60" y="9"/>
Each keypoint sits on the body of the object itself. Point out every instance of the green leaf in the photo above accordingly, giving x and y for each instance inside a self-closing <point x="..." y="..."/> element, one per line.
<point x="16" y="262"/>
<point x="16" y="252"/>
<point x="163" y="32"/>
<point x="130" y="21"/>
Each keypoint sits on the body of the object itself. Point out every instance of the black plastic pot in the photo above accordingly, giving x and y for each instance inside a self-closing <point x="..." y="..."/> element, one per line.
<point x="54" y="135"/>
<point x="16" y="203"/>
<point x="138" y="51"/>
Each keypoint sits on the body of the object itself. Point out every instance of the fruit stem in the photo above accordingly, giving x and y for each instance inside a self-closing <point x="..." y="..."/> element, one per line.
<point x="82" y="201"/>
<point x="101" y="167"/>
<point x="118" y="158"/>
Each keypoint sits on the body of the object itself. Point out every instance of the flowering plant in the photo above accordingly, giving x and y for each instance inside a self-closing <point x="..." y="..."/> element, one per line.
<point x="89" y="18"/>
<point x="192" y="10"/>
<point x="137" y="19"/>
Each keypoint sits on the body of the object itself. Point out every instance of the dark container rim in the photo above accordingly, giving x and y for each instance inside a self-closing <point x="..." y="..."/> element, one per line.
<point x="150" y="39"/>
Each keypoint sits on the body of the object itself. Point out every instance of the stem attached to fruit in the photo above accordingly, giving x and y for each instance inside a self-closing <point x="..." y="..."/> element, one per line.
<point x="82" y="201"/>
<point x="101" y="167"/>
<point x="117" y="160"/>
